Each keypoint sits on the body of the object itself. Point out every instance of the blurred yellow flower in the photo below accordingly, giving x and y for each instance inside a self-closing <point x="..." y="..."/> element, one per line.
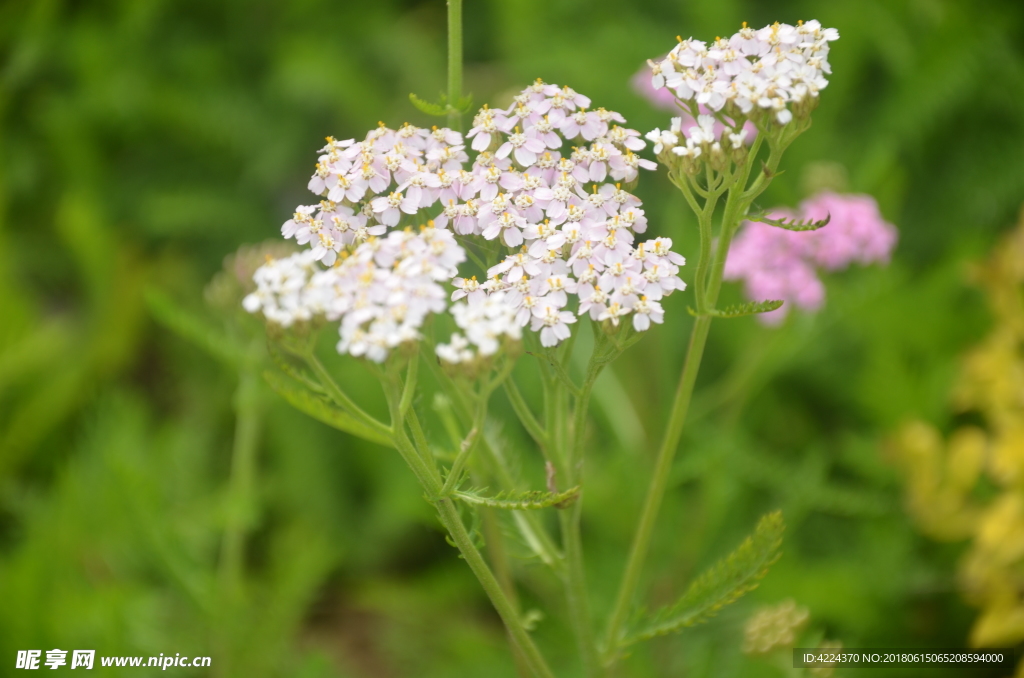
<point x="943" y="477"/>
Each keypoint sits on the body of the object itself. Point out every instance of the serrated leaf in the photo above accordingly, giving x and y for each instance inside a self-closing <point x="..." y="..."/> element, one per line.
<point x="791" y="224"/>
<point x="193" y="328"/>
<point x="740" y="310"/>
<point x="427" y="107"/>
<point x="736" y="574"/>
<point x="519" y="501"/>
<point x="320" y="409"/>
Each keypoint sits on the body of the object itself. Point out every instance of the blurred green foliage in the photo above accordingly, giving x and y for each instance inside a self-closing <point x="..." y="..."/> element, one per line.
<point x="142" y="141"/>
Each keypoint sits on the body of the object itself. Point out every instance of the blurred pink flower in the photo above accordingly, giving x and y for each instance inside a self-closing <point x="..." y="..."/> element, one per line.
<point x="774" y="263"/>
<point x="856" y="233"/>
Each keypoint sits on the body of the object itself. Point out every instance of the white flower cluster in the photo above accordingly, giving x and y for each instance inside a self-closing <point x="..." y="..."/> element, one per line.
<point x="596" y="263"/>
<point x="778" y="69"/>
<point x="486" y="319"/>
<point x="283" y="290"/>
<point x="573" y="231"/>
<point x="381" y="292"/>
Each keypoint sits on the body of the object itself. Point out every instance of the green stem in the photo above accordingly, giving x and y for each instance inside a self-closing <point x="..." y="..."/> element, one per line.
<point x="454" y="64"/>
<point x="522" y="410"/>
<point x="706" y="292"/>
<point x="340" y="397"/>
<point x="656" y="490"/>
<point x="503" y="573"/>
<point x="570" y="518"/>
<point x="430" y="480"/>
<point x="466" y="447"/>
<point x="521" y="640"/>
<point x="241" y="491"/>
<point x="409" y="389"/>
<point x="532" y="530"/>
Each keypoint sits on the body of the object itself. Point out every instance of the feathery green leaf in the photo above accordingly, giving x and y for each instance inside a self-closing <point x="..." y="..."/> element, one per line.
<point x="791" y="224"/>
<point x="518" y="501"/>
<point x="740" y="572"/>
<point x="428" y="107"/>
<point x="740" y="310"/>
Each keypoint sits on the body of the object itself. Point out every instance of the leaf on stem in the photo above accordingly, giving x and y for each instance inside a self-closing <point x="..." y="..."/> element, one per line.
<point x="791" y="224"/>
<point x="444" y="107"/>
<point x="428" y="107"/>
<point x="740" y="310"/>
<point x="740" y="572"/>
<point x="320" y="409"/>
<point x="520" y="501"/>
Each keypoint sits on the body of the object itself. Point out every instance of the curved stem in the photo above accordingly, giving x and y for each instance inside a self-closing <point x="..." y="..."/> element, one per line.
<point x="656" y="490"/>
<point x="466" y="447"/>
<point x="521" y="640"/>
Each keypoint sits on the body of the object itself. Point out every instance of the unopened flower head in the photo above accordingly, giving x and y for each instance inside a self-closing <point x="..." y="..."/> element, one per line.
<point x="774" y="626"/>
<point x="549" y="182"/>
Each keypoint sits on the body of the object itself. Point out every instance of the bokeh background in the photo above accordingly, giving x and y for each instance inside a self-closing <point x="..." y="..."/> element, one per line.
<point x="144" y="141"/>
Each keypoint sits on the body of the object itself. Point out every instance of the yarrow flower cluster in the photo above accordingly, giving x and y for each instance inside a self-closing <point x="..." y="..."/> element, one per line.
<point x="775" y="263"/>
<point x="486" y="319"/>
<point x="735" y="86"/>
<point x="778" y="68"/>
<point x="563" y="214"/>
<point x="381" y="292"/>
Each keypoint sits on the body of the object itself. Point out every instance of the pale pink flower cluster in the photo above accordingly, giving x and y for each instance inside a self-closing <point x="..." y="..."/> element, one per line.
<point x="595" y="265"/>
<point x="356" y="181"/>
<point x="664" y="99"/>
<point x="775" y="69"/>
<point x="570" y="229"/>
<point x="775" y="263"/>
